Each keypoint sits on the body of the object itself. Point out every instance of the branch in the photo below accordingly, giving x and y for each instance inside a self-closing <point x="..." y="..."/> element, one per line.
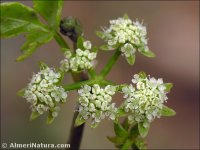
<point x="110" y="63"/>
<point x="78" y="85"/>
<point x="75" y="132"/>
<point x="60" y="41"/>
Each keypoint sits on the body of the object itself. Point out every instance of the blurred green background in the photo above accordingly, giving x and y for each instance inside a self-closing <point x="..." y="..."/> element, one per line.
<point x="173" y="31"/>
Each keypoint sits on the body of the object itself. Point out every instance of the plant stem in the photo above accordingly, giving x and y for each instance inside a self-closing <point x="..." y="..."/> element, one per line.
<point x="60" y="41"/>
<point x="78" y="85"/>
<point x="92" y="73"/>
<point x="110" y="63"/>
<point x="75" y="132"/>
<point x="81" y="79"/>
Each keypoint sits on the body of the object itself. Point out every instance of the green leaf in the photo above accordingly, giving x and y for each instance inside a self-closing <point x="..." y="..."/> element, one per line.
<point x="140" y="143"/>
<point x="64" y="49"/>
<point x="116" y="140"/>
<point x="166" y="111"/>
<point x="131" y="59"/>
<point x="142" y="74"/>
<point x="125" y="124"/>
<point x="168" y="86"/>
<point x="34" y="40"/>
<point x="126" y="16"/>
<point x="79" y="120"/>
<point x="42" y="65"/>
<point x="94" y="49"/>
<point x="50" y="119"/>
<point x="143" y="130"/>
<point x="148" y="53"/>
<point x="94" y="125"/>
<point x="21" y="92"/>
<point x="34" y="115"/>
<point x="108" y="47"/>
<point x="80" y="43"/>
<point x="17" y="18"/>
<point x="50" y="11"/>
<point x="134" y="131"/>
<point x="121" y="112"/>
<point x="100" y="34"/>
<point x="119" y="130"/>
<point x="127" y="144"/>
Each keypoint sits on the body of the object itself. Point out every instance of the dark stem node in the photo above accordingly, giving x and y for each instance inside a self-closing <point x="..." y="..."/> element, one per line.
<point x="71" y="27"/>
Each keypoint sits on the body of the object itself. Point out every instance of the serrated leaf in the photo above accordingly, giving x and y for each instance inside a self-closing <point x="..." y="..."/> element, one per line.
<point x="17" y="18"/>
<point x="100" y="34"/>
<point x="80" y="42"/>
<point x="34" y="40"/>
<point x="50" y="11"/>
<point x="166" y="111"/>
<point x="34" y="115"/>
<point x="131" y="59"/>
<point x="50" y="119"/>
<point x="148" y="53"/>
<point x="21" y="92"/>
<point x="119" y="130"/>
<point x="168" y="86"/>
<point x="127" y="144"/>
<point x="79" y="120"/>
<point x="143" y="130"/>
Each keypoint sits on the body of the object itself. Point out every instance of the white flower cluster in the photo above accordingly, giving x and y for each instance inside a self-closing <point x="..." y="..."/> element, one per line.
<point x="145" y="102"/>
<point x="95" y="102"/>
<point x="124" y="31"/>
<point x="83" y="59"/>
<point x="43" y="94"/>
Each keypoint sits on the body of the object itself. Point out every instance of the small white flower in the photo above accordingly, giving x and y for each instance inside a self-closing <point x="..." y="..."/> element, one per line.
<point x="55" y="114"/>
<point x="68" y="54"/>
<point x="43" y="94"/>
<point x="79" y="52"/>
<point x="87" y="44"/>
<point x="144" y="102"/>
<point x="92" y="56"/>
<point x="83" y="59"/>
<point x="131" y="35"/>
<point x="65" y="65"/>
<point x="95" y="102"/>
<point x="128" y="50"/>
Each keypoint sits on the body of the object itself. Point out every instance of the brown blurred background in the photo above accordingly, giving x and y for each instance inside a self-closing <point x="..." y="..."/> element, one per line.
<point x="173" y="31"/>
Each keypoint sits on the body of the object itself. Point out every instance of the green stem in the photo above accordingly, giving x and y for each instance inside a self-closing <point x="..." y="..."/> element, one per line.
<point x="60" y="41"/>
<point x="92" y="73"/>
<point x="78" y="85"/>
<point x="110" y="63"/>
